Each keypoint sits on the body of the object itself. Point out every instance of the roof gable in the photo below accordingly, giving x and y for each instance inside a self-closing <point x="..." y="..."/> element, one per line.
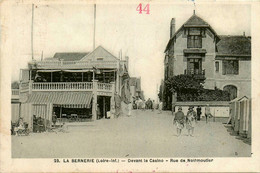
<point x="99" y="54"/>
<point x="69" y="56"/>
<point x="234" y="45"/>
<point x="195" y="20"/>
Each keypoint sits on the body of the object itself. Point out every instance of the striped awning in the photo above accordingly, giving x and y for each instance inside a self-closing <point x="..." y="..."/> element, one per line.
<point x="66" y="99"/>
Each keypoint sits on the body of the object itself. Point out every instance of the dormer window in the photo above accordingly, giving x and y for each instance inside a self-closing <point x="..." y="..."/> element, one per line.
<point x="194" y="38"/>
<point x="194" y="41"/>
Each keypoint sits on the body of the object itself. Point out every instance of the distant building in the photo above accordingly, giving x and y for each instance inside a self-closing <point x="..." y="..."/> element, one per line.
<point x="135" y="88"/>
<point x="196" y="49"/>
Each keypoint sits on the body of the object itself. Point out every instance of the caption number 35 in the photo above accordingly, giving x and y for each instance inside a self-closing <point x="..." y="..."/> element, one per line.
<point x="145" y="9"/>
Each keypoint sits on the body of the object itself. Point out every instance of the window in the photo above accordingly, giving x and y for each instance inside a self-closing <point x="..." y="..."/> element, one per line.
<point x="230" y="67"/>
<point x="232" y="90"/>
<point x="194" y="66"/>
<point x="217" y="66"/>
<point x="100" y="59"/>
<point x="194" y="41"/>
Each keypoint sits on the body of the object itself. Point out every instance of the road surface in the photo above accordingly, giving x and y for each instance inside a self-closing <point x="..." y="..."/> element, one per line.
<point x="144" y="134"/>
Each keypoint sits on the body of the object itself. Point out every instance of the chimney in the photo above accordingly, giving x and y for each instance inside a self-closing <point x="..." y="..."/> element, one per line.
<point x="244" y="34"/>
<point x="172" y="31"/>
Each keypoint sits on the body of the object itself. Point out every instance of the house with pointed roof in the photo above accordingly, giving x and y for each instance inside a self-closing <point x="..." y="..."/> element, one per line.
<point x="73" y="86"/>
<point x="196" y="49"/>
<point x="135" y="88"/>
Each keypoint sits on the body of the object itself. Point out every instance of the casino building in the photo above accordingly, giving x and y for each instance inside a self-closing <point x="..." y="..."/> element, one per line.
<point x="77" y="86"/>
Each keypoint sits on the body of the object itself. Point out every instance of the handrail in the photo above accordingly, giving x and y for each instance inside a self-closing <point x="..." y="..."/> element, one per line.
<point x="15" y="91"/>
<point x="70" y="86"/>
<point x="62" y="86"/>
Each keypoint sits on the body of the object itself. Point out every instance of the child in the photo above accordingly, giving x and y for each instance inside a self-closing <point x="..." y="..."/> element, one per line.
<point x="178" y="120"/>
<point x="190" y="121"/>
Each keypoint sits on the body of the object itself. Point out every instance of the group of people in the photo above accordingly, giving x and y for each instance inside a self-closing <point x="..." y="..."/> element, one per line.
<point x="190" y="119"/>
<point x="147" y="105"/>
<point x="38" y="124"/>
<point x="19" y="126"/>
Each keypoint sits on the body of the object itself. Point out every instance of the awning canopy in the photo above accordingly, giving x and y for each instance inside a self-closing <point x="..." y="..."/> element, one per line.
<point x="66" y="99"/>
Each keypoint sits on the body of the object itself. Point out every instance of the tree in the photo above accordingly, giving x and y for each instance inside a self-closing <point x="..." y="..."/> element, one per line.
<point x="186" y="86"/>
<point x="189" y="88"/>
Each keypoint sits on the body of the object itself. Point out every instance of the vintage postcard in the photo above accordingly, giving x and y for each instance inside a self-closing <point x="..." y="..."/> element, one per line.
<point x="138" y="86"/>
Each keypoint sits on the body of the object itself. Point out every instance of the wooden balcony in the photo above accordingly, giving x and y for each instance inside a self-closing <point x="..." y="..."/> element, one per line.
<point x="73" y="64"/>
<point x="198" y="74"/>
<point x="71" y="86"/>
<point x="15" y="94"/>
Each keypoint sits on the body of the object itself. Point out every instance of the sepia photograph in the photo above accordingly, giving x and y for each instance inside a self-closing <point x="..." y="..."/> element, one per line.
<point x="126" y="81"/>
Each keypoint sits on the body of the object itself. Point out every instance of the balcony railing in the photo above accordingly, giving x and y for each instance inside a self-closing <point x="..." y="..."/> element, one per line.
<point x="15" y="94"/>
<point x="70" y="86"/>
<point x="73" y="64"/>
<point x="15" y="91"/>
<point x="196" y="73"/>
<point x="104" y="87"/>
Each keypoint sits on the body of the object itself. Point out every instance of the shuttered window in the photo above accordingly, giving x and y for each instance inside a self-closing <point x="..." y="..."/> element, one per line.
<point x="230" y="67"/>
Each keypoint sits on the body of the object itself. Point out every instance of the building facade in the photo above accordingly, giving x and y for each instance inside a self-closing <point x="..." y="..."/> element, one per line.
<point x="79" y="85"/>
<point x="196" y="49"/>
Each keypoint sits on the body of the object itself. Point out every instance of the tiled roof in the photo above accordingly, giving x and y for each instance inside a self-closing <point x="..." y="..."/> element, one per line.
<point x="234" y="45"/>
<point x="195" y="20"/>
<point x="70" y="56"/>
<point x="100" y="52"/>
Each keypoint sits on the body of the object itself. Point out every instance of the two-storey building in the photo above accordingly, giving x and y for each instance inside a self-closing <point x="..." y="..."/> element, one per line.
<point x="195" y="48"/>
<point x="72" y="85"/>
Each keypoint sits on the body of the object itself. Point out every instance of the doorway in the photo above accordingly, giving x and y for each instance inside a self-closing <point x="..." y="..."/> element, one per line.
<point x="103" y="106"/>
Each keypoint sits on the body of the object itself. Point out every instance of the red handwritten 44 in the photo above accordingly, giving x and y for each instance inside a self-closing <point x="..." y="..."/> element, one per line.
<point x="145" y="9"/>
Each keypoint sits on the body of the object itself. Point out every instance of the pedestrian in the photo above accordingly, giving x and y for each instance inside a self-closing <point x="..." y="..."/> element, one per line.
<point x="173" y="107"/>
<point x="54" y="119"/>
<point x="19" y="126"/>
<point x="143" y="105"/>
<point x="160" y="107"/>
<point x="190" y="121"/>
<point x="179" y="120"/>
<point x="129" y="109"/>
<point x="153" y="105"/>
<point x="198" y="113"/>
<point x="98" y="112"/>
<point x="207" y="113"/>
<point x="138" y="103"/>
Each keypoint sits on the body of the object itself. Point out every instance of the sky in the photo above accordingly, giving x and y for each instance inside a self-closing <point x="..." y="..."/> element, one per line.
<point x="142" y="37"/>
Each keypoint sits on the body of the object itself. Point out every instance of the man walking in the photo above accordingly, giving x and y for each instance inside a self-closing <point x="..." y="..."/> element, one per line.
<point x="198" y="113"/>
<point x="153" y="105"/>
<point x="207" y="113"/>
<point x="179" y="120"/>
<point x="160" y="107"/>
<point x="129" y="109"/>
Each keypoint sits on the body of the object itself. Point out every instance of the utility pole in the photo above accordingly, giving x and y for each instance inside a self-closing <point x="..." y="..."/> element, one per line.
<point x="32" y="31"/>
<point x="94" y="36"/>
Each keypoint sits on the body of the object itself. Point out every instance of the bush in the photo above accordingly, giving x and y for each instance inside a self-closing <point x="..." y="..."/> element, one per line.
<point x="189" y="88"/>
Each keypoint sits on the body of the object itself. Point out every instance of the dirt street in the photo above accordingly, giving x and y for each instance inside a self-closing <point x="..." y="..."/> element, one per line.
<point x="144" y="134"/>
